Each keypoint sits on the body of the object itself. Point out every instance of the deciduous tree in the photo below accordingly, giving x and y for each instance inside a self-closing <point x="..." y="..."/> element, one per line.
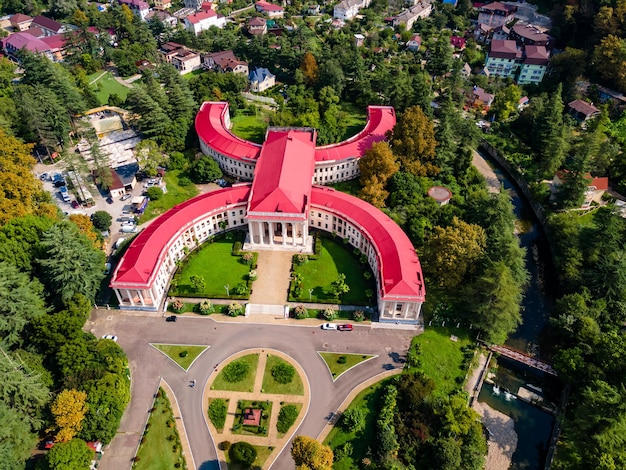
<point x="68" y="409"/>
<point x="413" y="141"/>
<point x="311" y="454"/>
<point x="69" y="455"/>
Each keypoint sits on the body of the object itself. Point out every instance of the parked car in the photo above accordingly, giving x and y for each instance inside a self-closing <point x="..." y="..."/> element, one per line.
<point x="107" y="268"/>
<point x="75" y="204"/>
<point x="111" y="337"/>
<point x="119" y="242"/>
<point x="329" y="326"/>
<point x="346" y="327"/>
<point x="126" y="197"/>
<point x="109" y="200"/>
<point x="128" y="228"/>
<point x="171" y="318"/>
<point x="44" y="177"/>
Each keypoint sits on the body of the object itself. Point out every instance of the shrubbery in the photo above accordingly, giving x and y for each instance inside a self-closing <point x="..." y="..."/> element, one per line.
<point x="283" y="373"/>
<point x="286" y="417"/>
<point x="205" y="307"/>
<point x="217" y="413"/>
<point x="329" y="314"/>
<point x="177" y="306"/>
<point x="243" y="453"/>
<point x="300" y="312"/>
<point x="358" y="315"/>
<point x="236" y="371"/>
<point x="235" y="309"/>
<point x="353" y="419"/>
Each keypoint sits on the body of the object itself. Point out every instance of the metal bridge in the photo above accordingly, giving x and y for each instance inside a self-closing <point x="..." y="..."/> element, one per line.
<point x="523" y="358"/>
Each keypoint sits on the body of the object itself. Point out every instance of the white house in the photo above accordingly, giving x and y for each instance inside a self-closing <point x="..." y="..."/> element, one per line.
<point x="348" y="9"/>
<point x="261" y="79"/>
<point x="203" y="20"/>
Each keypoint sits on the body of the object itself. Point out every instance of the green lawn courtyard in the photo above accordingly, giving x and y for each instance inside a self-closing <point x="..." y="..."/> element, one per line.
<point x="244" y="385"/>
<point x="338" y="363"/>
<point x="295" y="387"/>
<point x="214" y="262"/>
<point x="250" y="126"/>
<point x="181" y="354"/>
<point x="104" y="85"/>
<point x="317" y="275"/>
<point x="176" y="193"/>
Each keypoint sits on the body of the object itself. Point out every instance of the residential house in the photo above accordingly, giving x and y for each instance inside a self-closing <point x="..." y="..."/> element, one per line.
<point x="359" y="40"/>
<point x="583" y="111"/>
<point x="203" y="20"/>
<point x="206" y="6"/>
<point x="35" y="31"/>
<point x="50" y="46"/>
<point x="193" y="4"/>
<point x="20" y="22"/>
<point x="458" y="42"/>
<point x="523" y="103"/>
<point x="414" y="43"/>
<point x="480" y="99"/>
<point x="313" y="10"/>
<point x="596" y="186"/>
<point x="261" y="79"/>
<point x="139" y="8"/>
<point x="466" y="70"/>
<point x="348" y="9"/>
<point x="182" y="58"/>
<point x="410" y="16"/>
<point x="162" y="5"/>
<point x="496" y="14"/>
<point x="123" y="179"/>
<point x="223" y="62"/>
<point x="256" y="26"/>
<point x="534" y="65"/>
<point x="526" y="34"/>
<point x="168" y="20"/>
<point x="270" y="9"/>
<point x="503" y="58"/>
<point x="48" y="26"/>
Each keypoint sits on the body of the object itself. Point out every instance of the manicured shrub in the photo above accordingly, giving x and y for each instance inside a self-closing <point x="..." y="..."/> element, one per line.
<point x="240" y="289"/>
<point x="225" y="445"/>
<point x="283" y="373"/>
<point x="205" y="307"/>
<point x="217" y="413"/>
<point x="236" y="371"/>
<point x="252" y="275"/>
<point x="154" y="193"/>
<point x="243" y="453"/>
<point x="177" y="306"/>
<point x="358" y="315"/>
<point x="247" y="257"/>
<point x="300" y="312"/>
<point x="183" y="353"/>
<point x="236" y="248"/>
<point x="353" y="419"/>
<point x="183" y="181"/>
<point x="329" y="314"/>
<point x="235" y="309"/>
<point x="342" y="360"/>
<point x="286" y="417"/>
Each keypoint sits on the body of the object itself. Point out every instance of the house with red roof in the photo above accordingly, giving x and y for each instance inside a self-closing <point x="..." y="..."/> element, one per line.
<point x="279" y="209"/>
<point x="52" y="47"/>
<point x="48" y="26"/>
<point x="20" y="22"/>
<point x="224" y="62"/>
<point x="535" y="60"/>
<point x="582" y="110"/>
<point x="496" y="14"/>
<point x="181" y="57"/>
<point x="503" y="58"/>
<point x="270" y="9"/>
<point x="203" y="20"/>
<point x="596" y="187"/>
<point x="458" y="42"/>
<point x="256" y="26"/>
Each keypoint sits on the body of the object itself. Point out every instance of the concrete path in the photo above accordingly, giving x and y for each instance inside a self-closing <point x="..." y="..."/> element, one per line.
<point x="272" y="284"/>
<point x="483" y="167"/>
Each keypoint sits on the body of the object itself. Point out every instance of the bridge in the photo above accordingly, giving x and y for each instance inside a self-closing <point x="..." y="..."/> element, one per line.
<point x="523" y="358"/>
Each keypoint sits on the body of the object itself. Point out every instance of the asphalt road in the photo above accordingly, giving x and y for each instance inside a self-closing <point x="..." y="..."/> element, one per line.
<point x="225" y="339"/>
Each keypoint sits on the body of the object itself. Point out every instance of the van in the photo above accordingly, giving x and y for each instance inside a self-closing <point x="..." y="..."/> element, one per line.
<point x="65" y="193"/>
<point x="128" y="228"/>
<point x="119" y="242"/>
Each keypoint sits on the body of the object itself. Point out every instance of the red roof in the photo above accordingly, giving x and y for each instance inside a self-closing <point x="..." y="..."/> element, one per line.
<point x="458" y="42"/>
<point x="139" y="265"/>
<point x="282" y="177"/>
<point x="400" y="269"/>
<point x="600" y="183"/>
<point x="56" y="41"/>
<point x="20" y="18"/>
<point x="267" y="6"/>
<point x="201" y="15"/>
<point x="212" y="130"/>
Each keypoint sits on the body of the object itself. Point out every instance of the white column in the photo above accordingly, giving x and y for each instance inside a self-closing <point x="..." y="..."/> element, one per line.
<point x="283" y="231"/>
<point x="119" y="297"/>
<point x="305" y="232"/>
<point x="270" y="226"/>
<point x="130" y="297"/>
<point x="294" y="233"/>
<point x="141" y="302"/>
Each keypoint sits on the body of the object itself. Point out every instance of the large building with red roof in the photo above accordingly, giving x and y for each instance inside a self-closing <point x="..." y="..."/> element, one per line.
<point x="279" y="208"/>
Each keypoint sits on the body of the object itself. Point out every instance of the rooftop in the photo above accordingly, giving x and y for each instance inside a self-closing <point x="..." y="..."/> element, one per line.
<point x="583" y="107"/>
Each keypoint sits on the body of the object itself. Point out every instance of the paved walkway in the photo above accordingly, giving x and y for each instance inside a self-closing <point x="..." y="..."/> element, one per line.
<point x="493" y="184"/>
<point x="273" y="438"/>
<point x="273" y="275"/>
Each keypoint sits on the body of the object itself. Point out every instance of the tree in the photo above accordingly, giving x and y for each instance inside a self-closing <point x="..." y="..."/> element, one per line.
<point x="505" y="102"/>
<point x="339" y="286"/>
<point x="552" y="132"/>
<point x="353" y="419"/>
<point x="69" y="410"/>
<point x="609" y="58"/>
<point x="69" y="455"/>
<point x="440" y="61"/>
<point x="71" y="264"/>
<point x="16" y="437"/>
<point x="379" y="162"/>
<point x="20" y="302"/>
<point x="197" y="282"/>
<point x="102" y="220"/>
<point x="413" y="141"/>
<point x="149" y="156"/>
<point x="204" y="170"/>
<point x="243" y="453"/>
<point x="311" y="454"/>
<point x="85" y="226"/>
<point x="451" y="253"/>
<point x="19" y="240"/>
<point x="154" y="193"/>
<point x="309" y="68"/>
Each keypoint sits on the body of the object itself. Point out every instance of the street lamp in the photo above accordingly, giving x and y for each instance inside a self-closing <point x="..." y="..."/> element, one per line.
<point x="227" y="287"/>
<point x="310" y="292"/>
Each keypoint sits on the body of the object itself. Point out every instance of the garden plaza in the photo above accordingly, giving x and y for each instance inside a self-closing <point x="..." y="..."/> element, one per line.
<point x="279" y="208"/>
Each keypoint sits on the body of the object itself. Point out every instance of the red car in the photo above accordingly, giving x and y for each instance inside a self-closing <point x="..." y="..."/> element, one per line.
<point x="346" y="327"/>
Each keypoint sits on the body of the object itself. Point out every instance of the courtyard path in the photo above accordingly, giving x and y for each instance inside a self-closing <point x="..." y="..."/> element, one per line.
<point x="274" y="438"/>
<point x="272" y="284"/>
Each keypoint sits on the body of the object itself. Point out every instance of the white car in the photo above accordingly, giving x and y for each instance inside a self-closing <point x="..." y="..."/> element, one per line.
<point x="329" y="326"/>
<point x="111" y="337"/>
<point x="125" y="197"/>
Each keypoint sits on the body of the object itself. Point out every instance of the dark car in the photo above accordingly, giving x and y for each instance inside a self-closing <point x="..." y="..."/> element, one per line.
<point x="346" y="327"/>
<point x="75" y="204"/>
<point x="171" y="318"/>
<point x="109" y="200"/>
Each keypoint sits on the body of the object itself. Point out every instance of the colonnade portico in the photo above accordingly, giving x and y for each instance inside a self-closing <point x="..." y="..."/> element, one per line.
<point x="263" y="233"/>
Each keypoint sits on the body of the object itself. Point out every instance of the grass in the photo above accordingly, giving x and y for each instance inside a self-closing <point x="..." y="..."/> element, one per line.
<point x="352" y="187"/>
<point x="106" y="86"/>
<point x="262" y="453"/>
<point x="362" y="439"/>
<point x="250" y="126"/>
<point x="336" y="368"/>
<point x="173" y="351"/>
<point x="295" y="387"/>
<point x="195" y="73"/>
<point x="355" y="119"/>
<point x="217" y="265"/>
<point x="174" y="196"/>
<point x="280" y="435"/>
<point x="160" y="448"/>
<point x="317" y="274"/>
<point x="247" y="430"/>
<point x="441" y="359"/>
<point x="246" y="384"/>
